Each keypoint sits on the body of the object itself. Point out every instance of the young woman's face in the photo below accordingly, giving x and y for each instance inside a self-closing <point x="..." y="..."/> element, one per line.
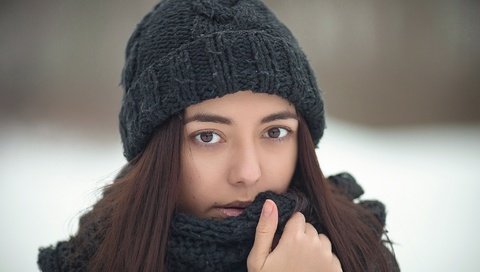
<point x="235" y="147"/>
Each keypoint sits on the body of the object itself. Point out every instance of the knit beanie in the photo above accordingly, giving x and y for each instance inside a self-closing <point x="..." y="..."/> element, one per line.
<point x="186" y="51"/>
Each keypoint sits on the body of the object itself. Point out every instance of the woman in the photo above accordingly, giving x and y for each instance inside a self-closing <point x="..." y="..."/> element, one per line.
<point x="219" y="122"/>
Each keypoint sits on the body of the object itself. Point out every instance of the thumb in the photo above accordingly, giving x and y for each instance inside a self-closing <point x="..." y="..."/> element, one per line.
<point x="266" y="227"/>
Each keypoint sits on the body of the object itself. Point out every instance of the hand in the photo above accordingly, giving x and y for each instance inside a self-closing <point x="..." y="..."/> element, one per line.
<point x="300" y="248"/>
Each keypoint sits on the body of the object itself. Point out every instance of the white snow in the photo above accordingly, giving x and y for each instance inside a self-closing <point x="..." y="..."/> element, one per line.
<point x="426" y="176"/>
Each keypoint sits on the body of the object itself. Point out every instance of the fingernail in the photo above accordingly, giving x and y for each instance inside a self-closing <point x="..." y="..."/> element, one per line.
<point x="267" y="208"/>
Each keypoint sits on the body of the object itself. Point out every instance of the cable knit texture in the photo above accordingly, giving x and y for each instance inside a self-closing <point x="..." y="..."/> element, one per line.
<point x="187" y="51"/>
<point x="200" y="244"/>
<point x="221" y="245"/>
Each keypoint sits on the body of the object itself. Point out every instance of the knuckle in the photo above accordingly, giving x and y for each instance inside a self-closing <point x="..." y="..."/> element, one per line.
<point x="294" y="238"/>
<point x="301" y="217"/>
<point x="325" y="245"/>
<point x="262" y="231"/>
<point x="324" y="239"/>
<point x="311" y="229"/>
<point x="296" y="222"/>
<point x="297" y="217"/>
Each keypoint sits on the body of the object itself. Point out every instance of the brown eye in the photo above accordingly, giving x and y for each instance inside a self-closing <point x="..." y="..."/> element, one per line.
<point x="277" y="133"/>
<point x="207" y="137"/>
<point x="274" y="133"/>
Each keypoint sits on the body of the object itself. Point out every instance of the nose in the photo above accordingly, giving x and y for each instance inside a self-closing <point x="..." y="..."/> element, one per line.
<point x="245" y="168"/>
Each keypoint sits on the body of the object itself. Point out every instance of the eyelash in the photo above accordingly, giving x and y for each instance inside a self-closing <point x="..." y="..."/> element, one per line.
<point x="207" y="144"/>
<point x="288" y="131"/>
<point x="200" y="142"/>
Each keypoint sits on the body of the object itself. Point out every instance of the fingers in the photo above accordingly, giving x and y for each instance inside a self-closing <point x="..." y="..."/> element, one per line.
<point x="266" y="227"/>
<point x="310" y="230"/>
<point x="336" y="263"/>
<point x="325" y="242"/>
<point x="297" y="224"/>
<point x="301" y="247"/>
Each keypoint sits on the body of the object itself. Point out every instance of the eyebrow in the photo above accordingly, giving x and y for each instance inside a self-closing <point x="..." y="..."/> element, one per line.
<point x="213" y="118"/>
<point x="210" y="118"/>
<point x="279" y="116"/>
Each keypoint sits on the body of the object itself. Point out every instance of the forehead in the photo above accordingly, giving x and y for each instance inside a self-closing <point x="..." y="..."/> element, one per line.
<point x="242" y="103"/>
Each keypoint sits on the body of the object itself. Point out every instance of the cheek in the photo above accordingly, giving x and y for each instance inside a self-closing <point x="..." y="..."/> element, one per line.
<point x="278" y="168"/>
<point x="199" y="178"/>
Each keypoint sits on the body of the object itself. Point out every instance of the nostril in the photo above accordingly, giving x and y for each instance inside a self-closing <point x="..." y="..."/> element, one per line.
<point x="245" y="176"/>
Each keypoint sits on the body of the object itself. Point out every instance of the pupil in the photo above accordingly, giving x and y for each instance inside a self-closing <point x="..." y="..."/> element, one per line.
<point x="274" y="133"/>
<point x="206" y="136"/>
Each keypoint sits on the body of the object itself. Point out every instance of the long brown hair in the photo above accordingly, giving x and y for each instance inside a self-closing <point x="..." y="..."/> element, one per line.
<point x="140" y="204"/>
<point x="353" y="231"/>
<point x="137" y="209"/>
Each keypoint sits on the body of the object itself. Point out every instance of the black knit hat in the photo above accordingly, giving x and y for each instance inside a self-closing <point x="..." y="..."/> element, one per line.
<point x="187" y="51"/>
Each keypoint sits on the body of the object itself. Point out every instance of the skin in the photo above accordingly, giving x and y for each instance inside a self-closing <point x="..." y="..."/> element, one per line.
<point x="300" y="248"/>
<point x="240" y="145"/>
<point x="239" y="155"/>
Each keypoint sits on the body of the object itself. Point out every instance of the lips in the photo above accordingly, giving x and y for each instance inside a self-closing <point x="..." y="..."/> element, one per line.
<point x="231" y="212"/>
<point x="233" y="209"/>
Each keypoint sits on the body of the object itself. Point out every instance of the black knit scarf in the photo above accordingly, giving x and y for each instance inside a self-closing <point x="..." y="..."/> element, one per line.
<point x="197" y="244"/>
<point x="222" y="245"/>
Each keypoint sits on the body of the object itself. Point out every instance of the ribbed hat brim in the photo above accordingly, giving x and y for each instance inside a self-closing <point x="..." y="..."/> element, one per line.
<point x="212" y="66"/>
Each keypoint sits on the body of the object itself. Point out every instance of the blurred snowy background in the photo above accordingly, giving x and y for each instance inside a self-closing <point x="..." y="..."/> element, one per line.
<point x="402" y="96"/>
